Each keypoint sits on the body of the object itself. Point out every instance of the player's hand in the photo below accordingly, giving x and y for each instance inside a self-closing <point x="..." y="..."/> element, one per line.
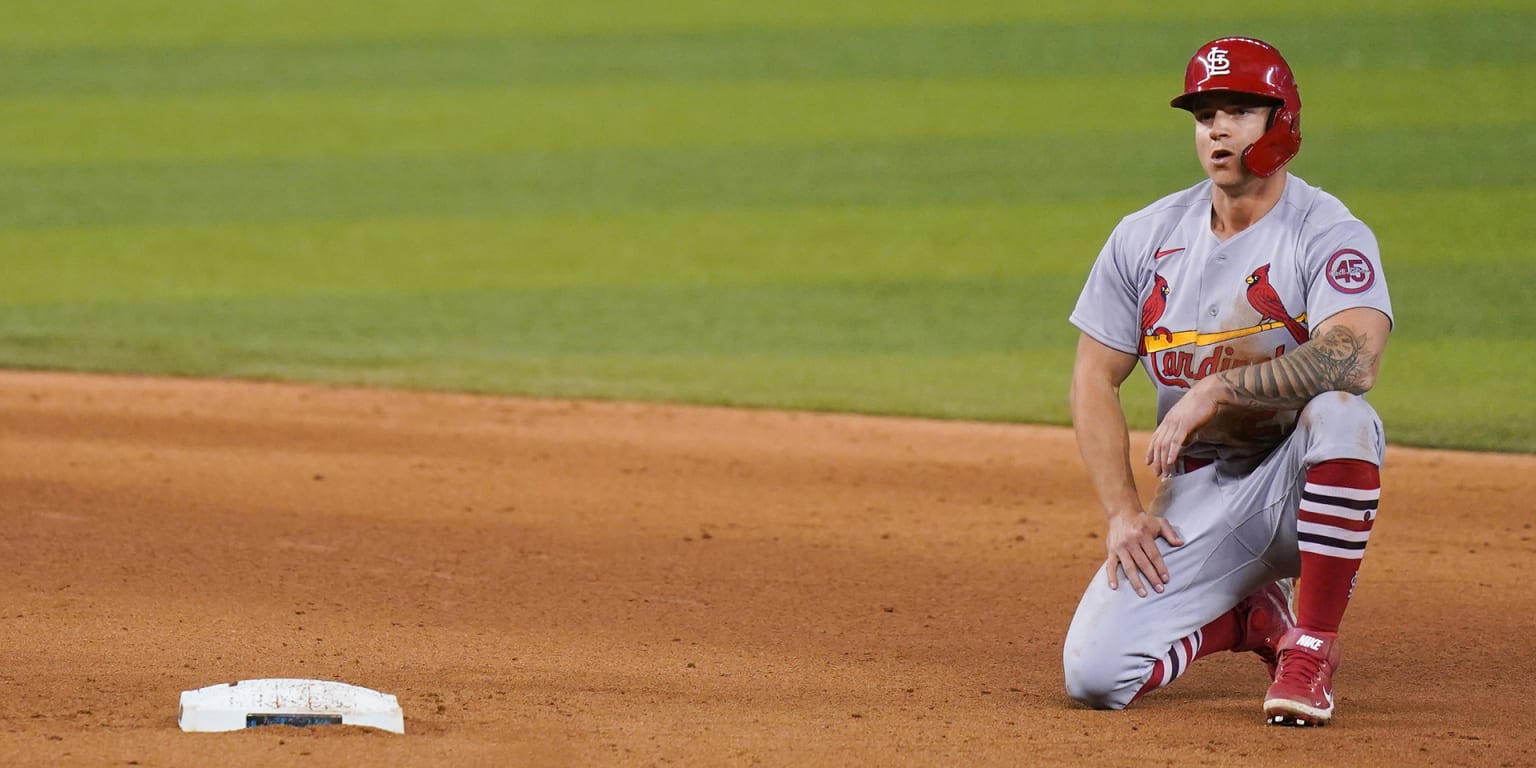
<point x="1187" y="416"/>
<point x="1132" y="546"/>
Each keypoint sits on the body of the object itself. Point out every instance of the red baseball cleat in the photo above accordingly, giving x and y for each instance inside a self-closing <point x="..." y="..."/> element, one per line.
<point x="1303" y="690"/>
<point x="1264" y="618"/>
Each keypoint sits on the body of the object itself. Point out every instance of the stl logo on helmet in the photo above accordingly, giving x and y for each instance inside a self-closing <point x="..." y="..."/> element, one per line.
<point x="1217" y="63"/>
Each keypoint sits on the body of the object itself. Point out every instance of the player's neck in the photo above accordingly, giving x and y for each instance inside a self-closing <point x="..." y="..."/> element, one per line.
<point x="1237" y="207"/>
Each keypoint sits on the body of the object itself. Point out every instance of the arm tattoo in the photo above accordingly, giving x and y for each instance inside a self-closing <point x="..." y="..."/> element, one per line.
<point x="1337" y="360"/>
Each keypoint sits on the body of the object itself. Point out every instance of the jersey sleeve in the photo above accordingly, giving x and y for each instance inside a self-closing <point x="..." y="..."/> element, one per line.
<point x="1106" y="309"/>
<point x="1345" y="272"/>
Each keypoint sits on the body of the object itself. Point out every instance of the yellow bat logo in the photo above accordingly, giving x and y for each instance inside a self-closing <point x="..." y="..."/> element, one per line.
<point x="1160" y="342"/>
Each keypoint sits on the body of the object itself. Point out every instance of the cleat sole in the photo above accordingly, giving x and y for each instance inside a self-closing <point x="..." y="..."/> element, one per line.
<point x="1295" y="720"/>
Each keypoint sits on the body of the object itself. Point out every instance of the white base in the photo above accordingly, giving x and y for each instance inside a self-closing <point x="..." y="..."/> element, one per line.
<point x="233" y="706"/>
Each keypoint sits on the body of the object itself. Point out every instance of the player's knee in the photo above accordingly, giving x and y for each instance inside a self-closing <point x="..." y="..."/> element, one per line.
<point x="1097" y="682"/>
<point x="1093" y="693"/>
<point x="1343" y="423"/>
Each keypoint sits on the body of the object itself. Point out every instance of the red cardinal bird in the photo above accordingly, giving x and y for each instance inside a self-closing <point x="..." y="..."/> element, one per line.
<point x="1264" y="299"/>
<point x="1152" y="311"/>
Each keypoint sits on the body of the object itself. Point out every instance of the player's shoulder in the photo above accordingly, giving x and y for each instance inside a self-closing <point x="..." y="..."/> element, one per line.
<point x="1318" y="211"/>
<point x="1150" y="226"/>
<point x="1171" y="208"/>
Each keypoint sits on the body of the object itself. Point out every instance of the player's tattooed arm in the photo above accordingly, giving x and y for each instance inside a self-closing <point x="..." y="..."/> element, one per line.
<point x="1337" y="360"/>
<point x="1342" y="355"/>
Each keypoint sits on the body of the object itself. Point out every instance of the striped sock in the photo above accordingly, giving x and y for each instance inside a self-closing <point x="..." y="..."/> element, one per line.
<point x="1219" y="635"/>
<point x="1173" y="664"/>
<point x="1338" y="508"/>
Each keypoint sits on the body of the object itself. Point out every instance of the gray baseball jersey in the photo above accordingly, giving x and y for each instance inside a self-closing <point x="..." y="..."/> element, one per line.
<point x="1189" y="305"/>
<point x="1165" y="289"/>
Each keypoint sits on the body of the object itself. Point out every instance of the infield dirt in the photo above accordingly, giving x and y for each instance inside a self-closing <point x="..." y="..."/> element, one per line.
<point x="581" y="583"/>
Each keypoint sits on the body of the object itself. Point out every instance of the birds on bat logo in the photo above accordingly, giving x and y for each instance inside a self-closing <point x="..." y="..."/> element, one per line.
<point x="1174" y="366"/>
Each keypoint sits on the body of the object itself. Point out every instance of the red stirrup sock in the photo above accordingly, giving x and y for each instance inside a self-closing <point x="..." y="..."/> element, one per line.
<point x="1338" y="507"/>
<point x="1172" y="665"/>
<point x="1219" y="635"/>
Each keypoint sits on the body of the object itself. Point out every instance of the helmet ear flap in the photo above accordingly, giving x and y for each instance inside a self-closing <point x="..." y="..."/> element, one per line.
<point x="1278" y="144"/>
<point x="1246" y="65"/>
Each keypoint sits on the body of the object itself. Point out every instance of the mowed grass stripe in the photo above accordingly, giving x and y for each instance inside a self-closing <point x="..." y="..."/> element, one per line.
<point x="937" y="172"/>
<point x="1459" y="38"/>
<point x="1475" y="230"/>
<point x="1487" y="250"/>
<point x="102" y="23"/>
<point x="748" y="344"/>
<point x="542" y="118"/>
<point x="809" y="319"/>
<point x="1491" y="382"/>
<point x="450" y="253"/>
<point x="420" y="256"/>
<point x="546" y="118"/>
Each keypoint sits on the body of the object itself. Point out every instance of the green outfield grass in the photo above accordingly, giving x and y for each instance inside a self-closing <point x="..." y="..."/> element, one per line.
<point x="881" y="206"/>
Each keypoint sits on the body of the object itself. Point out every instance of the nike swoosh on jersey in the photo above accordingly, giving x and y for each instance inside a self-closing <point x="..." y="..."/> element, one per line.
<point x="1168" y="252"/>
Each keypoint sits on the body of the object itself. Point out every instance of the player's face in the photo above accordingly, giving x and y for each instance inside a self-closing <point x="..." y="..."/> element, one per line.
<point x="1225" y="124"/>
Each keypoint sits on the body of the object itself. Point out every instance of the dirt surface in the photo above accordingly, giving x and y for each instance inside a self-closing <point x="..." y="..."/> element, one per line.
<point x="552" y="582"/>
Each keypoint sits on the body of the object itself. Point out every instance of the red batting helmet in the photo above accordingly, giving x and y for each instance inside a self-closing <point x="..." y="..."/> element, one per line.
<point x="1246" y="65"/>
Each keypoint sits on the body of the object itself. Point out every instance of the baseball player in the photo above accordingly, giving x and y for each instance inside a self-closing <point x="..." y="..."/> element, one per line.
<point x="1257" y="304"/>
